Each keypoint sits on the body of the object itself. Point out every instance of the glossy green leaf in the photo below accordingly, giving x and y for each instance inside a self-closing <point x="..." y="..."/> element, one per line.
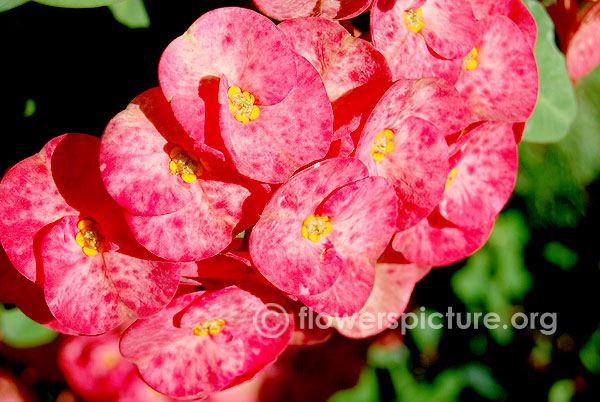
<point x="78" y="3"/>
<point x="555" y="108"/>
<point x="131" y="13"/>
<point x="6" y="5"/>
<point x="19" y="331"/>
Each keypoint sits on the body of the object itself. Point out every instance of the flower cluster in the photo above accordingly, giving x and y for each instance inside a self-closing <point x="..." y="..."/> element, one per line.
<point x="293" y="164"/>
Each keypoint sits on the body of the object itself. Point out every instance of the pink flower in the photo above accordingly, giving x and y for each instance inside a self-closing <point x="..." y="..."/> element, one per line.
<point x="320" y="235"/>
<point x="205" y="342"/>
<point x="67" y="233"/>
<point x="332" y="9"/>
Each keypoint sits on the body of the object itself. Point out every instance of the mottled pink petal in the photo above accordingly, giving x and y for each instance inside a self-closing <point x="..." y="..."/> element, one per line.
<point x="239" y="43"/>
<point x="331" y="9"/>
<point x="289" y="261"/>
<point x="77" y="290"/>
<point x="232" y="267"/>
<point x="417" y="166"/>
<point x="393" y="286"/>
<point x="513" y="9"/>
<point x="406" y="51"/>
<point x="29" y="200"/>
<point x="201" y="229"/>
<point x="134" y="160"/>
<point x="485" y="177"/>
<point x="435" y="241"/>
<point x="583" y="51"/>
<point x="285" y="136"/>
<point x="354" y="72"/>
<point x="175" y="361"/>
<point x="504" y="84"/>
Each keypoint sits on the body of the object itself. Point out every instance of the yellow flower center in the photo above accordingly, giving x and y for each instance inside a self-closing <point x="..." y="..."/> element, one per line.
<point x="450" y="177"/>
<point x="315" y="227"/>
<point x="185" y="165"/>
<point x="209" y="327"/>
<point x="413" y="20"/>
<point x="382" y="145"/>
<point x="241" y="104"/>
<point x="470" y="60"/>
<point x="89" y="237"/>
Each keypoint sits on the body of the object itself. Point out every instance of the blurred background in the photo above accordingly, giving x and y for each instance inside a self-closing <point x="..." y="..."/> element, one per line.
<point x="71" y="70"/>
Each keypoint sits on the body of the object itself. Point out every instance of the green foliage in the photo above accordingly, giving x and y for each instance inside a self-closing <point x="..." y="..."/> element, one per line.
<point x="552" y="178"/>
<point x="131" y="13"/>
<point x="560" y="255"/>
<point x="426" y="337"/>
<point x="19" y="331"/>
<point x="555" y="108"/>
<point x="561" y="391"/>
<point x="6" y="5"/>
<point x="78" y="3"/>
<point x="366" y="390"/>
<point x="589" y="354"/>
<point x="495" y="278"/>
<point x="29" y="108"/>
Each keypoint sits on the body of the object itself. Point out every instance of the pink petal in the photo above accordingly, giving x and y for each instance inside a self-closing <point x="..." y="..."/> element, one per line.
<point x="332" y="9"/>
<point x="583" y="51"/>
<point x="174" y="361"/>
<point x="485" y="177"/>
<point x="393" y="287"/>
<point x="289" y="261"/>
<point x="504" y="84"/>
<point x="406" y="51"/>
<point x="201" y="229"/>
<point x="266" y="149"/>
<point x="417" y="166"/>
<point x="435" y="241"/>
<point x="76" y="287"/>
<point x="355" y="74"/>
<point x="241" y="44"/>
<point x="513" y="9"/>
<point x="133" y="159"/>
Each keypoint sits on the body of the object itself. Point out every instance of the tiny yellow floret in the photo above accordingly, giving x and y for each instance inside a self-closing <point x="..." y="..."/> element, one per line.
<point x="470" y="60"/>
<point x="316" y="227"/>
<point x="413" y="19"/>
<point x="382" y="145"/>
<point x="184" y="164"/>
<point x="209" y="327"/>
<point x="241" y="105"/>
<point x="89" y="237"/>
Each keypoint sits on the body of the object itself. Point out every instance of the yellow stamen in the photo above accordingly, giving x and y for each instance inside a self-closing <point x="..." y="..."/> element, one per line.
<point x="89" y="237"/>
<point x="413" y="20"/>
<point x="316" y="227"/>
<point x="450" y="177"/>
<point x="382" y="145"/>
<point x="470" y="60"/>
<point x="241" y="105"/>
<point x="209" y="327"/>
<point x="184" y="164"/>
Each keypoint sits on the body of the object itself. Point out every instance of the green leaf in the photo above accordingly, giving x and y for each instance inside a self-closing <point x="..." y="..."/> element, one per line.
<point x="78" y="3"/>
<point x="480" y="378"/>
<point x="426" y="337"/>
<point x="555" y="108"/>
<point x="366" y="390"/>
<point x="589" y="354"/>
<point x="6" y="5"/>
<point x="561" y="391"/>
<point x="29" y="108"/>
<point x="131" y="13"/>
<point x="560" y="255"/>
<point x="19" y="331"/>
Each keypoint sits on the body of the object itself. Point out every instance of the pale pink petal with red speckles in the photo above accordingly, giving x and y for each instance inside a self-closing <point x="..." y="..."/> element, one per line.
<point x="435" y="241"/>
<point x="241" y="44"/>
<point x="201" y="229"/>
<point x="406" y="51"/>
<point x="134" y="159"/>
<point x="417" y="166"/>
<point x="513" y="9"/>
<point x="176" y="362"/>
<point x="354" y="72"/>
<point x="291" y="262"/>
<point x="77" y="290"/>
<point x="393" y="287"/>
<point x="285" y="136"/>
<point x="485" y="177"/>
<point x="504" y="84"/>
<point x="331" y="9"/>
<point x="583" y="51"/>
<point x="29" y="201"/>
